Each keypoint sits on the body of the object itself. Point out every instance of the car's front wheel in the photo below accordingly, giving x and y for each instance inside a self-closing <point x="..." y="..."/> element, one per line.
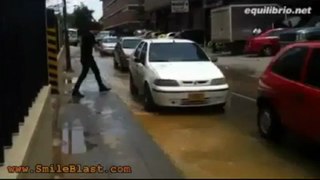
<point x="133" y="88"/>
<point x="149" y="104"/>
<point x="269" y="123"/>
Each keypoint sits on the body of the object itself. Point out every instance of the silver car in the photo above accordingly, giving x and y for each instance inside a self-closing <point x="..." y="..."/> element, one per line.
<point x="107" y="45"/>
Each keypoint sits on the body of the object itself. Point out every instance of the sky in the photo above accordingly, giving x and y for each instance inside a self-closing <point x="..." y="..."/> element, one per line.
<point x="95" y="5"/>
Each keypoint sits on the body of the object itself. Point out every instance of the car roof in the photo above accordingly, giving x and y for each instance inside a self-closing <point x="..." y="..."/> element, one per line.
<point x="313" y="44"/>
<point x="164" y="40"/>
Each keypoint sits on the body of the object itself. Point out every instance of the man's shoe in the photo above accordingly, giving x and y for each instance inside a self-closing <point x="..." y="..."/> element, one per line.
<point x="77" y="94"/>
<point x="104" y="89"/>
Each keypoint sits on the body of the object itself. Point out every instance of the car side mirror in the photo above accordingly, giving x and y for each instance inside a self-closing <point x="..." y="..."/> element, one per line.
<point x="214" y="59"/>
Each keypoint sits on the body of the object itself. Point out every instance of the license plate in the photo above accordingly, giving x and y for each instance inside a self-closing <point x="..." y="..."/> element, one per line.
<point x="196" y="97"/>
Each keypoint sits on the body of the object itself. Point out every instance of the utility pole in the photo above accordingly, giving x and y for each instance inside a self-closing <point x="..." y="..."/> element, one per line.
<point x="66" y="37"/>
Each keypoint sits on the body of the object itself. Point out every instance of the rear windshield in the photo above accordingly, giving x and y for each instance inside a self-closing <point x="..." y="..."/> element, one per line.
<point x="173" y="52"/>
<point x="110" y="40"/>
<point x="130" y="43"/>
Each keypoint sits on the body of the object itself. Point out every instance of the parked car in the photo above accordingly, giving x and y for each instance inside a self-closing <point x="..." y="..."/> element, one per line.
<point x="171" y="34"/>
<point x="124" y="48"/>
<point x="299" y="35"/>
<point x="289" y="93"/>
<point x="175" y="73"/>
<point x="107" y="45"/>
<point x="265" y="44"/>
<point x="73" y="37"/>
<point x="102" y="34"/>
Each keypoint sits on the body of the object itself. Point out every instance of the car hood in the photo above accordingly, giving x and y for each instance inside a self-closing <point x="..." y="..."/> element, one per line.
<point x="186" y="70"/>
<point x="127" y="51"/>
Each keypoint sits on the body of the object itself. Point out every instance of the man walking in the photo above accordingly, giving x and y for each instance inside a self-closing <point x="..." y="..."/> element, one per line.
<point x="87" y="61"/>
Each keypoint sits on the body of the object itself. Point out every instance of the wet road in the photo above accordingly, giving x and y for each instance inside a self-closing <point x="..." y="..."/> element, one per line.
<point x="208" y="143"/>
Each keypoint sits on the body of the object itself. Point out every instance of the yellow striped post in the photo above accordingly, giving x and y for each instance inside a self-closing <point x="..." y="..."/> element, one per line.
<point x="52" y="51"/>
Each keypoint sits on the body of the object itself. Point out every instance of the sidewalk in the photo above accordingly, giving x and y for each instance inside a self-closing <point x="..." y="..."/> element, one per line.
<point x="100" y="129"/>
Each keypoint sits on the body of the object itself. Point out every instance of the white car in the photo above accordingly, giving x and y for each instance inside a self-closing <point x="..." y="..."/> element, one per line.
<point x="175" y="73"/>
<point x="108" y="45"/>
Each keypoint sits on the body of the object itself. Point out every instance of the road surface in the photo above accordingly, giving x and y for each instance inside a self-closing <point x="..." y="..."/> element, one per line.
<point x="207" y="143"/>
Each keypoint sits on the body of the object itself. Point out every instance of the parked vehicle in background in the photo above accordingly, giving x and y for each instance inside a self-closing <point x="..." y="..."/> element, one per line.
<point x="107" y="45"/>
<point x="73" y="37"/>
<point x="171" y="34"/>
<point x="299" y="35"/>
<point x="102" y="34"/>
<point x="289" y="93"/>
<point x="231" y="26"/>
<point x="265" y="44"/>
<point x="196" y="35"/>
<point x="175" y="73"/>
<point x="123" y="50"/>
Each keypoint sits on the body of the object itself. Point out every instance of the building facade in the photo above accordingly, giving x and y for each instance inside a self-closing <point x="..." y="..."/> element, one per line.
<point x="122" y="15"/>
<point x="198" y="16"/>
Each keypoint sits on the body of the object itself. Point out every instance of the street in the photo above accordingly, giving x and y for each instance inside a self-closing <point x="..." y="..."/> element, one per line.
<point x="205" y="142"/>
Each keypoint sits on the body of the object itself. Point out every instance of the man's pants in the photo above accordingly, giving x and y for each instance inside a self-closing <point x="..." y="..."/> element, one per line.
<point x="88" y="63"/>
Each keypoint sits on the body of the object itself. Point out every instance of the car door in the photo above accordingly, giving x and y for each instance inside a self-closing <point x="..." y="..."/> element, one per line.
<point x="310" y="108"/>
<point x="134" y="64"/>
<point x="141" y="66"/>
<point x="287" y="86"/>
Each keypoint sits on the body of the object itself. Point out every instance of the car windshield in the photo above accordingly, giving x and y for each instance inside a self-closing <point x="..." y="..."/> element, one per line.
<point x="72" y="34"/>
<point x="173" y="52"/>
<point x="130" y="43"/>
<point x="110" y="40"/>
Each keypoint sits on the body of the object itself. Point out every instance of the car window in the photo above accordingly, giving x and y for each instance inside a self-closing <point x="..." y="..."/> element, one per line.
<point x="313" y="69"/>
<point x="164" y="52"/>
<point x="313" y="36"/>
<point x="138" y="50"/>
<point x="110" y="40"/>
<point x="290" y="64"/>
<point x="143" y="53"/>
<point x="275" y="33"/>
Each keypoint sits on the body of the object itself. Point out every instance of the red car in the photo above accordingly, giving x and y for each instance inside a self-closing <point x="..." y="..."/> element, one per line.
<point x="289" y="93"/>
<point x="266" y="44"/>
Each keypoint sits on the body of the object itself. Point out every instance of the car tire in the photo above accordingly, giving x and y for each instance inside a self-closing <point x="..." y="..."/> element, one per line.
<point x="220" y="106"/>
<point x="267" y="51"/>
<point x="101" y="54"/>
<point x="149" y="104"/>
<point x="115" y="64"/>
<point x="133" y="88"/>
<point x="269" y="123"/>
<point x="121" y="67"/>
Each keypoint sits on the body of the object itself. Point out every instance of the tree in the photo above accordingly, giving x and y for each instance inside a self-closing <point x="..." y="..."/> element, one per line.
<point x="82" y="18"/>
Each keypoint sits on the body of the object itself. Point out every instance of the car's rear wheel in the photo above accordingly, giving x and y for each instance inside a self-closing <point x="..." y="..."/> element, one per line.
<point x="101" y="54"/>
<point x="149" y="104"/>
<point x="269" y="123"/>
<point x="133" y="88"/>
<point x="267" y="51"/>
